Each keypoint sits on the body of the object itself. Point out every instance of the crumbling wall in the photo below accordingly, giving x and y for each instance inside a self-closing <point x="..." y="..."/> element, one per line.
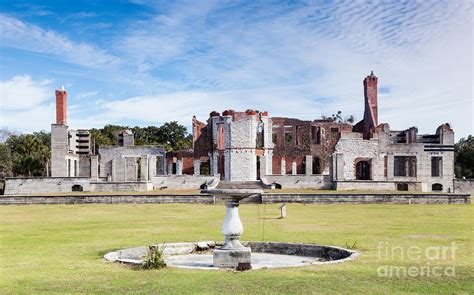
<point x="40" y="185"/>
<point x="464" y="186"/>
<point x="315" y="138"/>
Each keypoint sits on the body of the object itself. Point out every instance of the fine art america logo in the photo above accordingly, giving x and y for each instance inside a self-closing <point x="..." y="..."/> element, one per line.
<point x="437" y="259"/>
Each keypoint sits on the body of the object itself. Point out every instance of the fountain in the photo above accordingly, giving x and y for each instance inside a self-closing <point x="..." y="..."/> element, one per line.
<point x="232" y="254"/>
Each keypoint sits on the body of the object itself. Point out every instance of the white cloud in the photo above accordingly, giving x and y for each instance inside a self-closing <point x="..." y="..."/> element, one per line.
<point x="81" y="95"/>
<point x="421" y="51"/>
<point x="18" y="34"/>
<point x="26" y="104"/>
<point x="293" y="60"/>
<point x="21" y="92"/>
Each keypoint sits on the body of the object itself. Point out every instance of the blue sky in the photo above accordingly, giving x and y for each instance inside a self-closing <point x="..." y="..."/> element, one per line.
<point x="148" y="62"/>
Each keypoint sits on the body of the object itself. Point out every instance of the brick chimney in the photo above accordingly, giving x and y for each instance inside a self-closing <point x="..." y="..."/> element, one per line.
<point x="61" y="96"/>
<point x="370" y="120"/>
<point x="370" y="94"/>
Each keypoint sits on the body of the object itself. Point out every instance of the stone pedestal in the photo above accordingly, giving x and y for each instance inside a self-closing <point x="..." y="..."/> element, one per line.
<point x="232" y="254"/>
<point x="231" y="258"/>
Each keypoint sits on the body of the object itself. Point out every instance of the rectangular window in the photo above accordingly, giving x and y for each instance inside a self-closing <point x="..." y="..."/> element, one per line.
<point x="316" y="134"/>
<point x="437" y="166"/>
<point x="69" y="167"/>
<point x="334" y="133"/>
<point x="288" y="138"/>
<point x="288" y="135"/>
<point x="275" y="138"/>
<point x="404" y="166"/>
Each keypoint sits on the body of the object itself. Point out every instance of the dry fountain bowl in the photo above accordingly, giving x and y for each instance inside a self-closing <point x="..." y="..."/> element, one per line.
<point x="264" y="255"/>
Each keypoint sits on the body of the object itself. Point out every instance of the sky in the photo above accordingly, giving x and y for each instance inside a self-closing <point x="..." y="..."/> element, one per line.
<point x="144" y="62"/>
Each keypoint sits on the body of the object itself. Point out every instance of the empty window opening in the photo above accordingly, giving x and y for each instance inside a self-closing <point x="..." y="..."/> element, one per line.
<point x="260" y="135"/>
<point x="437" y="187"/>
<point x="77" y="188"/>
<point x="404" y="166"/>
<point x="301" y="166"/>
<point x="275" y="138"/>
<point x="335" y="135"/>
<point x="288" y="138"/>
<point x="316" y="134"/>
<point x="289" y="135"/>
<point x="363" y="170"/>
<point x="205" y="168"/>
<point x="316" y="165"/>
<point x="436" y="166"/>
<point x="402" y="186"/>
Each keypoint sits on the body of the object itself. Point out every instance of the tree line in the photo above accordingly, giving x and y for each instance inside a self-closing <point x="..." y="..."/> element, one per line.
<point x="30" y="154"/>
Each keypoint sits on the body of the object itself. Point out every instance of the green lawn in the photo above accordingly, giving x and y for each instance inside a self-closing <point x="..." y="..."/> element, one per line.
<point x="59" y="248"/>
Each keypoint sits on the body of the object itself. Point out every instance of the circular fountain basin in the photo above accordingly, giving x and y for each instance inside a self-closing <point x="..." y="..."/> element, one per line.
<point x="232" y="193"/>
<point x="264" y="255"/>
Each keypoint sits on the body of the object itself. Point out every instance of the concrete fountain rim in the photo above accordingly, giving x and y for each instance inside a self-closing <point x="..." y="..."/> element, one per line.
<point x="132" y="256"/>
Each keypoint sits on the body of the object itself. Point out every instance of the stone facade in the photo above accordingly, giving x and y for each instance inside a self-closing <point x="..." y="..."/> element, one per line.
<point x="294" y="153"/>
<point x="284" y="152"/>
<point x="113" y="167"/>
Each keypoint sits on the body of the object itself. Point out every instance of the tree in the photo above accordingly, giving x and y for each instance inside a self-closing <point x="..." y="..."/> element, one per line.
<point x="174" y="136"/>
<point x="338" y="118"/>
<point x="6" y="163"/>
<point x="30" y="153"/>
<point x="464" y="157"/>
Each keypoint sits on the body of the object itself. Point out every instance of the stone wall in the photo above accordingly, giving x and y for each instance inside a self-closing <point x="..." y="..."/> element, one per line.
<point x="240" y="150"/>
<point x="370" y="185"/>
<point x="181" y="181"/>
<point x="367" y="198"/>
<point x="464" y="186"/>
<point x="39" y="185"/>
<point x="301" y="181"/>
<point x="118" y="153"/>
<point x="107" y="199"/>
<point x="59" y="149"/>
<point x="265" y="199"/>
<point x="121" y="186"/>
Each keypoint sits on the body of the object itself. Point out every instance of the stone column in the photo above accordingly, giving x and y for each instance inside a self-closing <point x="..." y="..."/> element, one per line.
<point x="151" y="166"/>
<point x="339" y="167"/>
<point x="213" y="163"/>
<point x="263" y="166"/>
<point x="390" y="167"/>
<point x="269" y="157"/>
<point x="293" y="168"/>
<point x="309" y="165"/>
<point x="114" y="170"/>
<point x="197" y="167"/>
<point x="94" y="167"/>
<point x="283" y="166"/>
<point x="179" y="167"/>
<point x="144" y="168"/>
<point x="170" y="167"/>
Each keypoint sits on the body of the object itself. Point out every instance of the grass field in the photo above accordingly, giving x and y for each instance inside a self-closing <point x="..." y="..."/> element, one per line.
<point x="59" y="248"/>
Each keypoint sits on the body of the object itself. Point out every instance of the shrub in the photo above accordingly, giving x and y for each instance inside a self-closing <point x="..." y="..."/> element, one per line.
<point x="154" y="258"/>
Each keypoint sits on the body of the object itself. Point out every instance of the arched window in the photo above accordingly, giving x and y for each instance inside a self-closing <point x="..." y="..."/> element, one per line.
<point x="363" y="170"/>
<point x="437" y="187"/>
<point x="402" y="186"/>
<point x="77" y="188"/>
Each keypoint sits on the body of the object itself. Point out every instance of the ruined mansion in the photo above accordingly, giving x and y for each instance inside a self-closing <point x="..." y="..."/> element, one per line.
<point x="251" y="146"/>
